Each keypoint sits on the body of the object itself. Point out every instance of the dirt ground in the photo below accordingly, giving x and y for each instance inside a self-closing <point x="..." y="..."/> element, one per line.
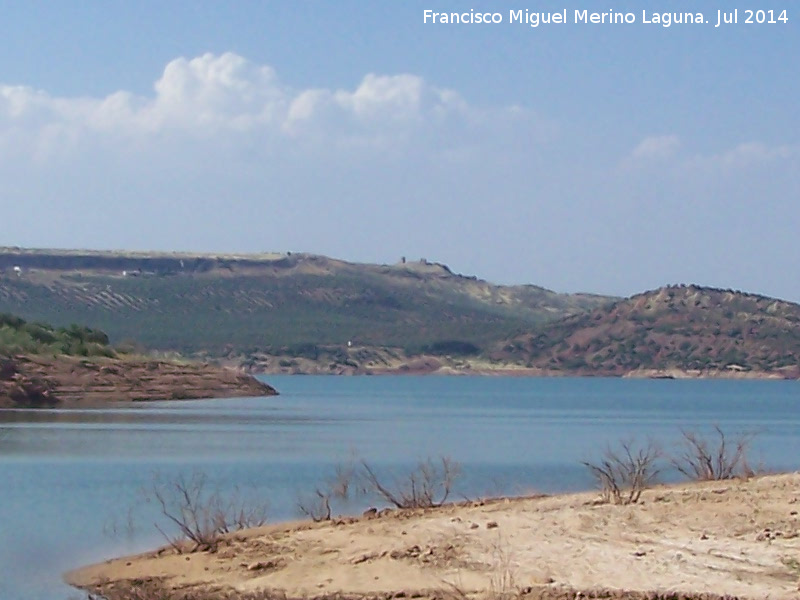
<point x="729" y="538"/>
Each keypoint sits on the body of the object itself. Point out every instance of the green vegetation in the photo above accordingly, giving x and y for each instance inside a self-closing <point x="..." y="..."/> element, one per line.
<point x="244" y="305"/>
<point x="20" y="337"/>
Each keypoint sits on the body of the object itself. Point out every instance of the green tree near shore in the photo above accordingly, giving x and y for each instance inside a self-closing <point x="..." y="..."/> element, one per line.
<point x="18" y="336"/>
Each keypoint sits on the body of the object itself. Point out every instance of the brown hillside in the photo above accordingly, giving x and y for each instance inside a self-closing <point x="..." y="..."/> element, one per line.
<point x="685" y="329"/>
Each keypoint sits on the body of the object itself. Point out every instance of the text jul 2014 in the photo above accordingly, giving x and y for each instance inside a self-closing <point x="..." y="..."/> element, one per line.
<point x="610" y="17"/>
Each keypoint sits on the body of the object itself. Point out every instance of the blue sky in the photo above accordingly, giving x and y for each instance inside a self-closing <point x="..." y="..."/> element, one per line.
<point x="603" y="158"/>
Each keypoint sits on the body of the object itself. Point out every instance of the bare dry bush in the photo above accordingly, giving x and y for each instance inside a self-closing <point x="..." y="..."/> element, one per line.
<point x="703" y="459"/>
<point x="317" y="506"/>
<point x="201" y="515"/>
<point x="624" y="473"/>
<point x="428" y="485"/>
<point x="503" y="583"/>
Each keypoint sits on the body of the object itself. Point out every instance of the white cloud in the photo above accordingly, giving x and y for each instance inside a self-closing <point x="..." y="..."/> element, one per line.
<point x="213" y="92"/>
<point x="656" y="148"/>
<point x="223" y="153"/>
<point x="662" y="152"/>
<point x="220" y="95"/>
<point x="746" y="155"/>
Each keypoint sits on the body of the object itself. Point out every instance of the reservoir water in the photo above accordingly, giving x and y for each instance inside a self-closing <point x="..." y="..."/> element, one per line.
<point x="73" y="484"/>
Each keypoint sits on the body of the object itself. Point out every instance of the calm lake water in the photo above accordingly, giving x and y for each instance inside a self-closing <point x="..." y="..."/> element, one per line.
<point x="73" y="482"/>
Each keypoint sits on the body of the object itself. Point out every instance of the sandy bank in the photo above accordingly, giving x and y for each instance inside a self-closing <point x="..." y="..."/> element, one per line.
<point x="725" y="538"/>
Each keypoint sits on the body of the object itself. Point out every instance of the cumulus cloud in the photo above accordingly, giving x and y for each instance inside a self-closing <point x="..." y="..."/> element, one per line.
<point x="223" y="153"/>
<point x="217" y="95"/>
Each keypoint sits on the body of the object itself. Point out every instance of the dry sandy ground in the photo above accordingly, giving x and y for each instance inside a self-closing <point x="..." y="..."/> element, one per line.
<point x="728" y="538"/>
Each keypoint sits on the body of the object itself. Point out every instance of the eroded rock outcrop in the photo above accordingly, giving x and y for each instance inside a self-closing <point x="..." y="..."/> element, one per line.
<point x="42" y="381"/>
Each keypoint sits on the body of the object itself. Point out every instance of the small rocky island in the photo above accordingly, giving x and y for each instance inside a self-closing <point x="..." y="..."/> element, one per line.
<point x="45" y="367"/>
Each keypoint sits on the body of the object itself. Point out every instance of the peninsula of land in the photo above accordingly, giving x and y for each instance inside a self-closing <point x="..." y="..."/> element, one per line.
<point x="711" y="540"/>
<point x="31" y="381"/>
<point x="46" y="367"/>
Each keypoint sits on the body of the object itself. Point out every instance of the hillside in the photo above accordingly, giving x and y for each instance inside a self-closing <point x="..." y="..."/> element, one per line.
<point x="671" y="331"/>
<point x="301" y="313"/>
<point x="44" y="366"/>
<point x="237" y="305"/>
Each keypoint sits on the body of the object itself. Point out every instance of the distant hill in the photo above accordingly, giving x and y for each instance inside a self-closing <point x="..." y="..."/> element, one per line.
<point x="670" y="331"/>
<point x="304" y="313"/>
<point x="226" y="305"/>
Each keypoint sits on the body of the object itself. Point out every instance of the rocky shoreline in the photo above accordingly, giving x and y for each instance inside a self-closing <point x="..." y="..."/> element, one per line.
<point x="381" y="360"/>
<point x="436" y="365"/>
<point x="28" y="381"/>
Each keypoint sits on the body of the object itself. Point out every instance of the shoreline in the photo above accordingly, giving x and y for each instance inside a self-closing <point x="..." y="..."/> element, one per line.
<point x="37" y="381"/>
<point x="735" y="538"/>
<point x="534" y="373"/>
<point x="364" y="360"/>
